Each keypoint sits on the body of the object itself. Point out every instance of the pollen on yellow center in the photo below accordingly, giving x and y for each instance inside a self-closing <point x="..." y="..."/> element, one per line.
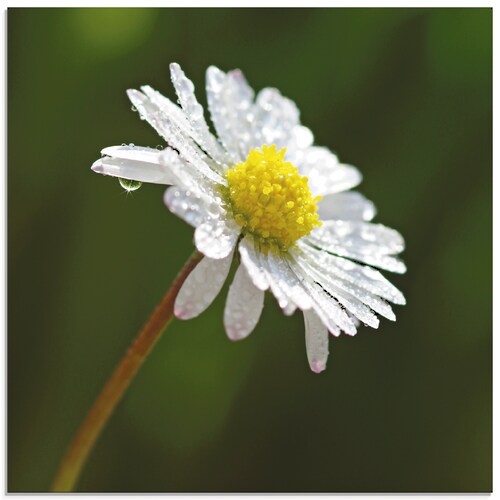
<point x="270" y="199"/>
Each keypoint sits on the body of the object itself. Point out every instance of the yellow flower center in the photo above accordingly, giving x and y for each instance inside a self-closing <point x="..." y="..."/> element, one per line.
<point x="270" y="199"/>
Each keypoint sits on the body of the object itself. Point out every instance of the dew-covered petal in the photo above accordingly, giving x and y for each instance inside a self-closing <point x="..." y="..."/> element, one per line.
<point x="288" y="281"/>
<point x="326" y="175"/>
<point x="170" y="129"/>
<point x="344" y="290"/>
<point x="373" y="244"/>
<point x="230" y="103"/>
<point x="243" y="306"/>
<point x="216" y="238"/>
<point x="349" y="205"/>
<point x="250" y="259"/>
<point x="275" y="119"/>
<point x="363" y="236"/>
<point x="166" y="107"/>
<point x="189" y="177"/>
<point x="190" y="206"/>
<point x="201" y="287"/>
<point x="194" y="112"/>
<point x="177" y="126"/>
<point x="134" y="163"/>
<point x="351" y="303"/>
<point x="382" y="261"/>
<point x="327" y="308"/>
<point x="316" y="341"/>
<point x="363" y="277"/>
<point x="276" y="285"/>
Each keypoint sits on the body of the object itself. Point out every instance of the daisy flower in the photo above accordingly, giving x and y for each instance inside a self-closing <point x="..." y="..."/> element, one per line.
<point x="260" y="190"/>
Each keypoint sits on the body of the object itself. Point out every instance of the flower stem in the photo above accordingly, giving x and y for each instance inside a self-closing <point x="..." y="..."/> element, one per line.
<point x="86" y="436"/>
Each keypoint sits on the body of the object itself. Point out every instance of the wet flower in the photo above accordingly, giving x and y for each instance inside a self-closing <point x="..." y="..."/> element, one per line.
<point x="263" y="191"/>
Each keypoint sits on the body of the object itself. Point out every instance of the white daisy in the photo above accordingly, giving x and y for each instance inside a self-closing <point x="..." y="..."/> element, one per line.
<point x="263" y="190"/>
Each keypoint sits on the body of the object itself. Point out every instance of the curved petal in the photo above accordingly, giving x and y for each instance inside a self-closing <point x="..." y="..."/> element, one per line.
<point x="230" y="103"/>
<point x="326" y="175"/>
<point x="316" y="341"/>
<point x="194" y="112"/>
<point x="349" y="205"/>
<point x="190" y="207"/>
<point x="373" y="244"/>
<point x="250" y="260"/>
<point x="349" y="302"/>
<point x="364" y="277"/>
<point x="134" y="163"/>
<point x="327" y="308"/>
<point x="348" y="293"/>
<point x="201" y="287"/>
<point x="288" y="281"/>
<point x="275" y="119"/>
<point x="276" y="285"/>
<point x="243" y="306"/>
<point x="173" y="127"/>
<point x="216" y="238"/>
<point x="188" y="176"/>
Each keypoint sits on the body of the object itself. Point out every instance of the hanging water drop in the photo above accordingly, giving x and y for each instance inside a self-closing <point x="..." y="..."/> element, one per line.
<point x="130" y="185"/>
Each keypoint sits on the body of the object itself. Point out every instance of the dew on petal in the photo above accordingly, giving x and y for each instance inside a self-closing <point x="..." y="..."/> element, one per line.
<point x="129" y="185"/>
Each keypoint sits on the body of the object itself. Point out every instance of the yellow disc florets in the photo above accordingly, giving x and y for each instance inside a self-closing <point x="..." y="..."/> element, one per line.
<point x="270" y="199"/>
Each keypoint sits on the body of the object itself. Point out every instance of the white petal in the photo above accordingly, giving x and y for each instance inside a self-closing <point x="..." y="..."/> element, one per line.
<point x="327" y="308"/>
<point x="216" y="238"/>
<point x="189" y="206"/>
<point x="372" y="244"/>
<point x="316" y="341"/>
<point x="243" y="306"/>
<point x="326" y="175"/>
<point x="194" y="112"/>
<point x="201" y="287"/>
<point x="230" y="104"/>
<point x="175" y="120"/>
<point x="188" y="176"/>
<point x="288" y="281"/>
<point x="362" y="236"/>
<point x="354" y="305"/>
<point x="276" y="285"/>
<point x="349" y="205"/>
<point x="250" y="260"/>
<point x="275" y="119"/>
<point x="166" y="107"/>
<point x="132" y="152"/>
<point x="134" y="163"/>
<point x="170" y="129"/>
<point x="299" y="141"/>
<point x="364" y="277"/>
<point x="345" y="292"/>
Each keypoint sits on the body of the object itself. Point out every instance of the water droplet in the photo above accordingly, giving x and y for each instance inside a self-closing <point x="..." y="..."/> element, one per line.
<point x="130" y="185"/>
<point x="133" y="108"/>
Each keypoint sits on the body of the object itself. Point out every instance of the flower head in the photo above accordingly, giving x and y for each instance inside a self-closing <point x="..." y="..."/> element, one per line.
<point x="262" y="189"/>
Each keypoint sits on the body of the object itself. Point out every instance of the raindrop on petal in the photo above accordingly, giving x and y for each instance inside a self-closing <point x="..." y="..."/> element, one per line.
<point x="130" y="185"/>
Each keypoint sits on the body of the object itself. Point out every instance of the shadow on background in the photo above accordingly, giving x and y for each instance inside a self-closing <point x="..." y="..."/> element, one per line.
<point x="405" y="95"/>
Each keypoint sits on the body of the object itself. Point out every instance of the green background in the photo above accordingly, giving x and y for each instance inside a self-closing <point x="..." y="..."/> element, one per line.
<point x="405" y="95"/>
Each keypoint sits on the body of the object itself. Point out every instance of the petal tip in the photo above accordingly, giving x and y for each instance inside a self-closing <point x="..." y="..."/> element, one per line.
<point x="234" y="334"/>
<point x="317" y="366"/>
<point x="183" y="312"/>
<point x="97" y="167"/>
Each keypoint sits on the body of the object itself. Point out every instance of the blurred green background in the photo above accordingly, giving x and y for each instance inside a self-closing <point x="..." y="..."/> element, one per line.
<point x="405" y="95"/>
